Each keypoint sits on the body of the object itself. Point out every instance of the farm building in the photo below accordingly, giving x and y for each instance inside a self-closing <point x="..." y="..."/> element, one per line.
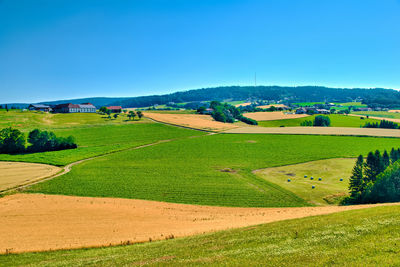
<point x="115" y="109"/>
<point x="75" y="108"/>
<point x="39" y="107"/>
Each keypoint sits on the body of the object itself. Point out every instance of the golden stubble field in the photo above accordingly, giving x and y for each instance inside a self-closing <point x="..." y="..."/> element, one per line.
<point x="271" y="116"/>
<point x="37" y="222"/>
<point x="13" y="174"/>
<point x="196" y="121"/>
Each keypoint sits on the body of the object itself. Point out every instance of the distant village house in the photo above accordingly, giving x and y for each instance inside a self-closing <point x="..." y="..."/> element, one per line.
<point x="39" y="107"/>
<point x="115" y="109"/>
<point x="75" y="108"/>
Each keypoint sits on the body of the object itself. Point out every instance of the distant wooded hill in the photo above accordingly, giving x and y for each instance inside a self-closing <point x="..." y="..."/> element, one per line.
<point x="372" y="97"/>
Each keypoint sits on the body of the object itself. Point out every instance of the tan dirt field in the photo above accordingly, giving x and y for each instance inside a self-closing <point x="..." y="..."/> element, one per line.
<point x="37" y="222"/>
<point x="377" y="118"/>
<point x="13" y="174"/>
<point x="196" y="121"/>
<point x="318" y="131"/>
<point x="271" y="116"/>
<point x="243" y="104"/>
<point x="395" y="110"/>
<point x="275" y="105"/>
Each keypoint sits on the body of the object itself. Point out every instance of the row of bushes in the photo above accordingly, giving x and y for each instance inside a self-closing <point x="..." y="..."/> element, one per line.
<point x="377" y="179"/>
<point x="320" y="121"/>
<point x="13" y="141"/>
<point x="382" y="124"/>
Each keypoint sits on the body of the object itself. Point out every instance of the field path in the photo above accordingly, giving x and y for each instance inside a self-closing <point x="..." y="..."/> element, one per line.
<point x="67" y="168"/>
<point x="317" y="131"/>
<point x="37" y="222"/>
<point x="376" y="118"/>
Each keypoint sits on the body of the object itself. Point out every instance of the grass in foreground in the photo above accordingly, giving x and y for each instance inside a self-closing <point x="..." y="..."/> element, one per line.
<point x="102" y="139"/>
<point x="209" y="170"/>
<point x="336" y="121"/>
<point x="358" y="238"/>
<point x="329" y="190"/>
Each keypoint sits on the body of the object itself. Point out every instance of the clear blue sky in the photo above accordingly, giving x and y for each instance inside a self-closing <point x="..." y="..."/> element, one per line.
<point x="58" y="49"/>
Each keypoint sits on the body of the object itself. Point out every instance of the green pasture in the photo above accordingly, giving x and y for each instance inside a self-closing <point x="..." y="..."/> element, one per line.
<point x="329" y="190"/>
<point x="367" y="237"/>
<point x="380" y="114"/>
<point x="209" y="170"/>
<point x="95" y="140"/>
<point x="337" y="120"/>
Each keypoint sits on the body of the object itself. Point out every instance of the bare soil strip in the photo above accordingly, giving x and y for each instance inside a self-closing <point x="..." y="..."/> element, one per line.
<point x="13" y="174"/>
<point x="318" y="131"/>
<point x="36" y="222"/>
<point x="195" y="121"/>
<point x="271" y="116"/>
<point x="275" y="105"/>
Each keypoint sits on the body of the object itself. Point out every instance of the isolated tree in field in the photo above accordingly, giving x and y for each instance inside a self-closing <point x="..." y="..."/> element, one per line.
<point x="139" y="114"/>
<point x="201" y="110"/>
<point x="6" y="108"/>
<point x="116" y="116"/>
<point x="356" y="186"/>
<point x="132" y="115"/>
<point x="323" y="121"/>
<point x="12" y="141"/>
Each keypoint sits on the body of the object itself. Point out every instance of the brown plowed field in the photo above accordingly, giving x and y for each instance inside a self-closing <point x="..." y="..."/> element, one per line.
<point x="318" y="131"/>
<point x="36" y="222"/>
<point x="13" y="174"/>
<point x="203" y="122"/>
<point x="271" y="116"/>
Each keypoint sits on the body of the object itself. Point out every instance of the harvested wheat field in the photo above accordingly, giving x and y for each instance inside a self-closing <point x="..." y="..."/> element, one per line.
<point x="318" y="131"/>
<point x="271" y="116"/>
<point x="395" y="110"/>
<point x="275" y="105"/>
<point x="37" y="222"/>
<point x="13" y="174"/>
<point x="203" y="122"/>
<point x="243" y="104"/>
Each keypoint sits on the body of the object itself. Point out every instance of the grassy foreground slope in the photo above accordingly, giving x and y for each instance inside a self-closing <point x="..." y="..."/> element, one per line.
<point x="336" y="121"/>
<point x="209" y="170"/>
<point x="358" y="238"/>
<point x="101" y="139"/>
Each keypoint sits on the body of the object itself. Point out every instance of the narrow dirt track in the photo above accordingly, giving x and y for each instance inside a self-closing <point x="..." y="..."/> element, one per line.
<point x="317" y="131"/>
<point x="37" y="222"/>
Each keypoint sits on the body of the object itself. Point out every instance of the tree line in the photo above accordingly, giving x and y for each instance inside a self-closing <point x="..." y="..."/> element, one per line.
<point x="382" y="124"/>
<point x="375" y="179"/>
<point x="13" y="141"/>
<point x="319" y="121"/>
<point x="225" y="112"/>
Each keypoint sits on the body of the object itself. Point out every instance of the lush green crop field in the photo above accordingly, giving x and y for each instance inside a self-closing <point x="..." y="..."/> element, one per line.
<point x="210" y="170"/>
<point x="381" y="114"/>
<point x="95" y="140"/>
<point x="330" y="190"/>
<point x="336" y="121"/>
<point x="366" y="237"/>
<point x="28" y="120"/>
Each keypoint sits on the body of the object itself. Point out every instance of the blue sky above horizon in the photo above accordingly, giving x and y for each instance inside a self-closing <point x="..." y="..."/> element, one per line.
<point x="64" y="49"/>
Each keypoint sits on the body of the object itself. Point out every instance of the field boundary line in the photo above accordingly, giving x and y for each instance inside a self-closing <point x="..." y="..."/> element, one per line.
<point x="181" y="126"/>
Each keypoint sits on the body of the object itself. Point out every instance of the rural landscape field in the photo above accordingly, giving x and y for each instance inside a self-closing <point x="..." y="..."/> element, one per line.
<point x="199" y="133"/>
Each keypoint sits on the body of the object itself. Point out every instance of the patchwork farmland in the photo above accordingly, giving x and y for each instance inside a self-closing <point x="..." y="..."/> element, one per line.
<point x="191" y="182"/>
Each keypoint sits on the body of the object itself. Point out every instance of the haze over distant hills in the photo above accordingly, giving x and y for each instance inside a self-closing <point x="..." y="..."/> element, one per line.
<point x="379" y="96"/>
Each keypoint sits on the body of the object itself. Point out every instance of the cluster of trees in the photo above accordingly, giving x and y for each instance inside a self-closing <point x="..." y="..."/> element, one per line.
<point x="377" y="179"/>
<point x="254" y="108"/>
<point x="320" y="121"/>
<point x="382" y="124"/>
<point x="226" y="113"/>
<point x="13" y="141"/>
<point x="132" y="114"/>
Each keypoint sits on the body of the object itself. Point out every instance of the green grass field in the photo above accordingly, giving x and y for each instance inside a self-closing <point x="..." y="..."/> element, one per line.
<point x="209" y="170"/>
<point x="329" y="190"/>
<point x="336" y="121"/>
<point x="366" y="237"/>
<point x="96" y="139"/>
<point x="380" y="114"/>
